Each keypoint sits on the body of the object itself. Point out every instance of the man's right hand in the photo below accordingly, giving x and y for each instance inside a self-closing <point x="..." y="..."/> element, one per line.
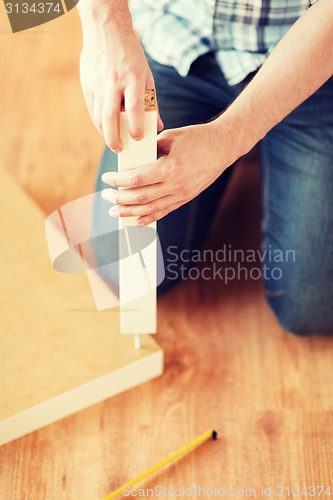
<point x="113" y="68"/>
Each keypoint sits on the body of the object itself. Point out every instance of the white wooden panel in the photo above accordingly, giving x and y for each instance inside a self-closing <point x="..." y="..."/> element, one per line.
<point x="138" y="273"/>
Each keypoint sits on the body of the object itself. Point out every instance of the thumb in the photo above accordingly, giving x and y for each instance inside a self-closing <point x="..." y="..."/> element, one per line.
<point x="160" y="124"/>
<point x="164" y="143"/>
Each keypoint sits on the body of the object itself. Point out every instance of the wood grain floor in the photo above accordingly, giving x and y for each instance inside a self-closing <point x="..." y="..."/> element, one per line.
<point x="228" y="363"/>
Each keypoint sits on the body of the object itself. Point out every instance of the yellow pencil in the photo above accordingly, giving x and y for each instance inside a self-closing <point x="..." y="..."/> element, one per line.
<point x="188" y="447"/>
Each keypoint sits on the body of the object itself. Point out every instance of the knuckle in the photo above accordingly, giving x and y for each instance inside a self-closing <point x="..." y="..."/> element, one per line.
<point x="141" y="198"/>
<point x="180" y="185"/>
<point x="137" y="181"/>
<point x="152" y="209"/>
<point x="178" y="165"/>
<point x="174" y="169"/>
<point x="134" y="73"/>
<point x="114" y="77"/>
<point x="183" y="188"/>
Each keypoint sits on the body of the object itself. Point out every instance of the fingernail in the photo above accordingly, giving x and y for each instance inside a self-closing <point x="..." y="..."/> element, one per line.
<point x="139" y="223"/>
<point x="137" y="136"/>
<point x="114" y="211"/>
<point x="107" y="177"/>
<point x="117" y="149"/>
<point x="108" y="195"/>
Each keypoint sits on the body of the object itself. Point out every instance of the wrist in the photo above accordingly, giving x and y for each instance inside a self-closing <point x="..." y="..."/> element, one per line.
<point x="229" y="140"/>
<point x="235" y="128"/>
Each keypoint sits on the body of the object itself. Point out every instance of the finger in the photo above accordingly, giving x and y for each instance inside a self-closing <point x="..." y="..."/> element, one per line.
<point x="148" y="219"/>
<point x="149" y="209"/>
<point x="135" y="196"/>
<point x="135" y="108"/>
<point x="110" y="122"/>
<point x="160" y="124"/>
<point x="152" y="173"/>
<point x="164" y="142"/>
<point x="96" y="114"/>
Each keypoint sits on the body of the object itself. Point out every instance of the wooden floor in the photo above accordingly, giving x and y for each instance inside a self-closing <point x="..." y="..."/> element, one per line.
<point x="228" y="363"/>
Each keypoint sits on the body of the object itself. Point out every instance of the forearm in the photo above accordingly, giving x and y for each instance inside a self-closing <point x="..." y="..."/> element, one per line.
<point x="105" y="14"/>
<point x="300" y="64"/>
<point x="113" y="69"/>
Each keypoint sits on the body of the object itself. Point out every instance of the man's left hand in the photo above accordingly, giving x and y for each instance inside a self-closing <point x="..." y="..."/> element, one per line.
<point x="190" y="159"/>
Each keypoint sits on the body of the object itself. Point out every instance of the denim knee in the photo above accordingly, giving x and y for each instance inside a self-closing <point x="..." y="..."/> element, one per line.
<point x="299" y="316"/>
<point x="289" y="319"/>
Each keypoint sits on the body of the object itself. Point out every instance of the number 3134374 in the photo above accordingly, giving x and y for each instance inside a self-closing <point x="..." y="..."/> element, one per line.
<point x="33" y="8"/>
<point x="305" y="491"/>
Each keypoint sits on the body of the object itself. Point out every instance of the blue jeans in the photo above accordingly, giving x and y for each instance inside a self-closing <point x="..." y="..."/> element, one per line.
<point x="297" y="193"/>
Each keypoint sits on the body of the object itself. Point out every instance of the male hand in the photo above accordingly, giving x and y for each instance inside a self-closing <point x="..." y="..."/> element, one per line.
<point x="191" y="158"/>
<point x="113" y="68"/>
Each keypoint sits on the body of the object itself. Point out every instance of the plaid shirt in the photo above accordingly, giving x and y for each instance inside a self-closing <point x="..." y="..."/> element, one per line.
<point x="242" y="33"/>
